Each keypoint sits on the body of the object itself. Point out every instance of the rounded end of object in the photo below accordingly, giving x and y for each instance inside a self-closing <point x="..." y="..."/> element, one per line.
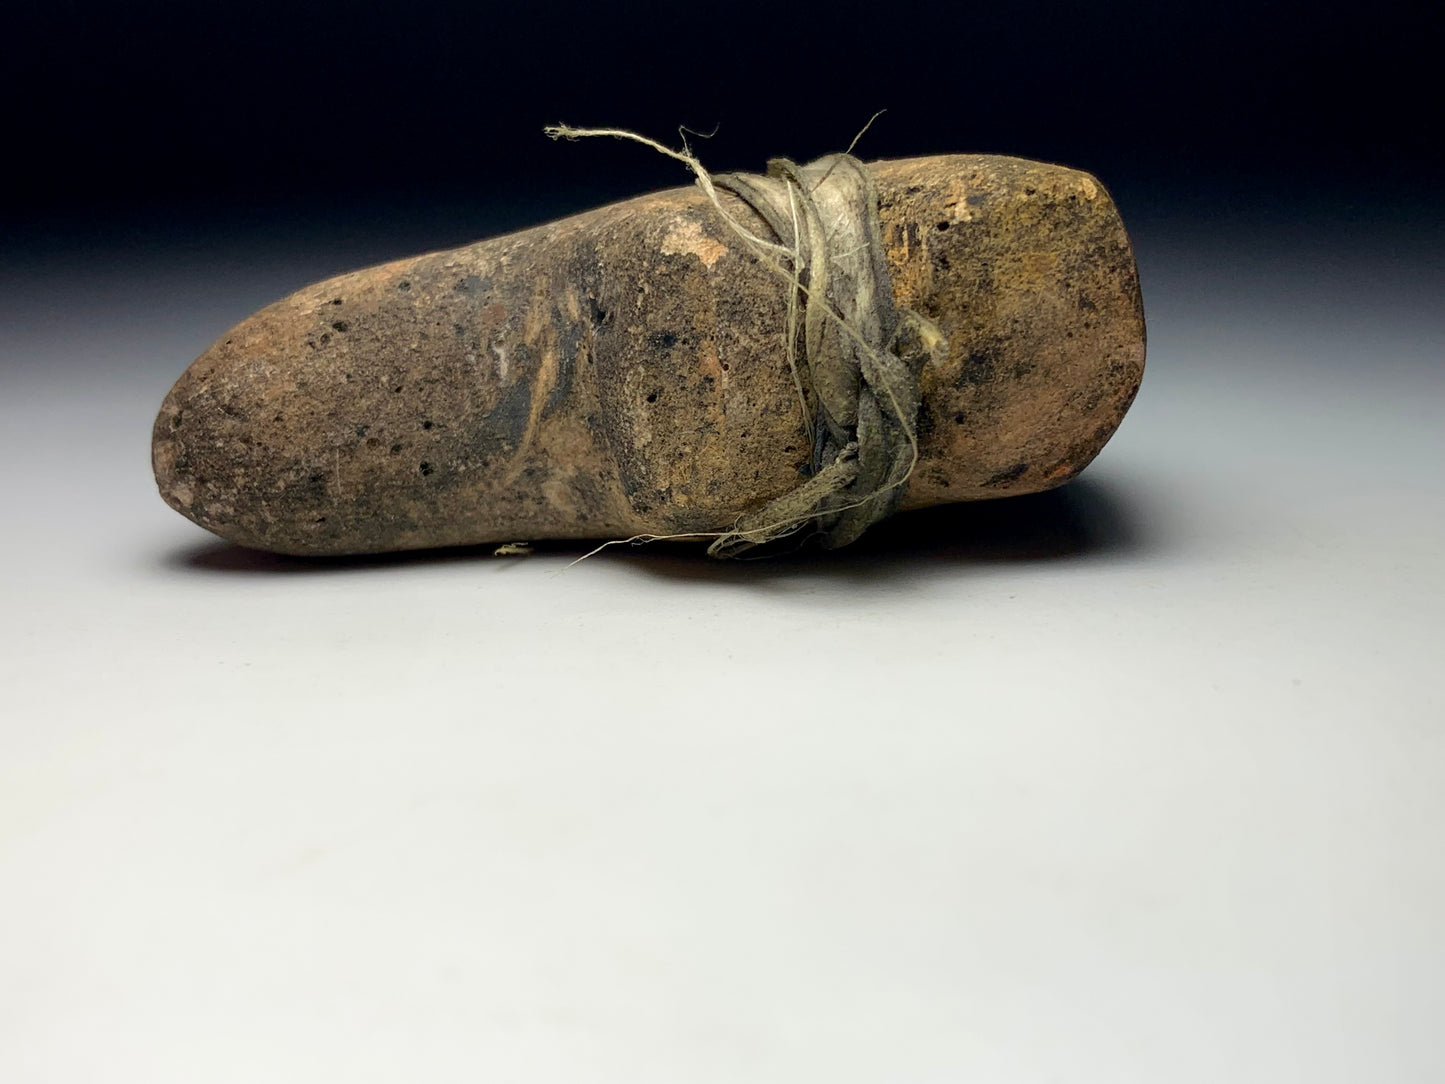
<point x="224" y="455"/>
<point x="411" y="405"/>
<point x="1028" y="271"/>
<point x="270" y="439"/>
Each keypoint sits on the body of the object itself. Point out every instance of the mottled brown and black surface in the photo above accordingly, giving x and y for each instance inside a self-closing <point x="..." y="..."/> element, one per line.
<point x="622" y="372"/>
<point x="1027" y="269"/>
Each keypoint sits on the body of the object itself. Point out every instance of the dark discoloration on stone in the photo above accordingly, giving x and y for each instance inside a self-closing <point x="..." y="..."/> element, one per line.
<point x="621" y="372"/>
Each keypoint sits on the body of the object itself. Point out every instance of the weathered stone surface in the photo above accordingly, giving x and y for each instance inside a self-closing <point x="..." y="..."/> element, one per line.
<point x="622" y="372"/>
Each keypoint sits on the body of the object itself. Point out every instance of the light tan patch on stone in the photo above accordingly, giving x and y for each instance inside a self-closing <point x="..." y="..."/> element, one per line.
<point x="957" y="204"/>
<point x="686" y="238"/>
<point x="540" y="333"/>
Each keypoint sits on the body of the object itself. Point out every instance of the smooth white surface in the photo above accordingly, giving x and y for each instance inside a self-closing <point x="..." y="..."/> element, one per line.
<point x="1143" y="783"/>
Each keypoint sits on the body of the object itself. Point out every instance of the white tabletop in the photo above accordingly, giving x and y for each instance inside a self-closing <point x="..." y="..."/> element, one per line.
<point x="1139" y="781"/>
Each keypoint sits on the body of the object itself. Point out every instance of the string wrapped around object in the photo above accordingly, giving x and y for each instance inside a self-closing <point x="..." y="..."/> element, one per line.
<point x="862" y="352"/>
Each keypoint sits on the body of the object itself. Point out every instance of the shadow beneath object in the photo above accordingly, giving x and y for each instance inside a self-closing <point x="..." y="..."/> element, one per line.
<point x="216" y="556"/>
<point x="1086" y="518"/>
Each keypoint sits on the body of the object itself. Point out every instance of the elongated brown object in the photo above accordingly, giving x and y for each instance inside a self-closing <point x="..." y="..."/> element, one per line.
<point x="622" y="372"/>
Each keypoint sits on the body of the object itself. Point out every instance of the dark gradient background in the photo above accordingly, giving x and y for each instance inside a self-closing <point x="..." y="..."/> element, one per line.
<point x="164" y="104"/>
<point x="1142" y="780"/>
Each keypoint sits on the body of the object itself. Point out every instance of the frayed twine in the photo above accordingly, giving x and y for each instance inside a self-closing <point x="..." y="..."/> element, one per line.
<point x="859" y="394"/>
